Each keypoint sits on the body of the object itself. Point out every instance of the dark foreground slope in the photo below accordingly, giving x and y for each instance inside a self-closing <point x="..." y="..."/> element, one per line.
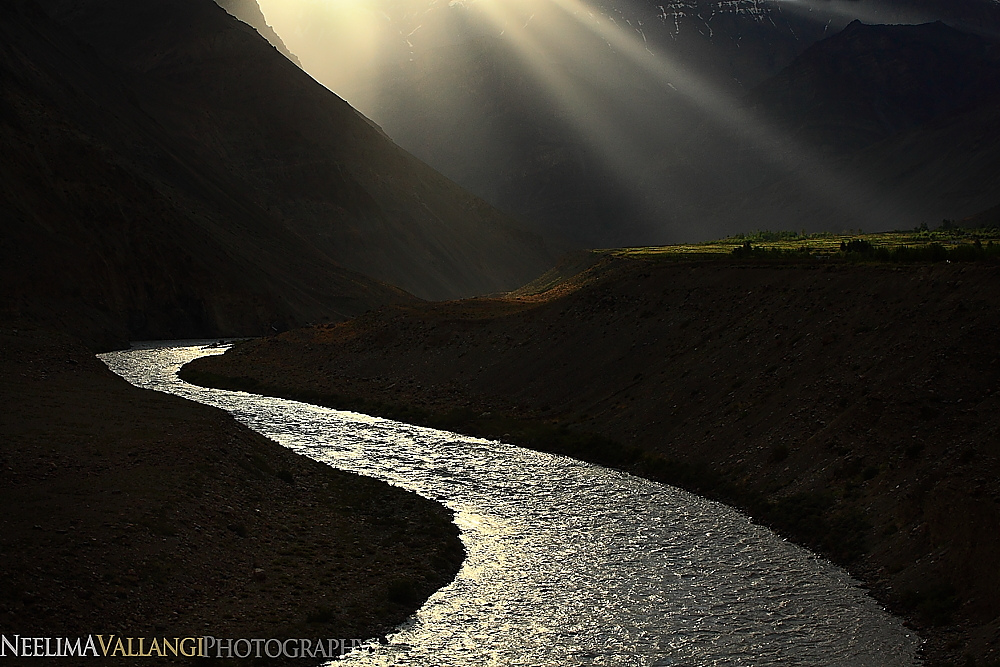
<point x="140" y="514"/>
<point x="109" y="230"/>
<point x="854" y="408"/>
<point x="272" y="137"/>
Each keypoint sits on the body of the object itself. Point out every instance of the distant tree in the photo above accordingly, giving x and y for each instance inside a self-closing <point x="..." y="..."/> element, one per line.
<point x="860" y="246"/>
<point x="745" y="250"/>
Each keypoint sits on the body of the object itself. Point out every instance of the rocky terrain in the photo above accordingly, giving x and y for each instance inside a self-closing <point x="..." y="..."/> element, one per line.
<point x="854" y="408"/>
<point x="141" y="514"/>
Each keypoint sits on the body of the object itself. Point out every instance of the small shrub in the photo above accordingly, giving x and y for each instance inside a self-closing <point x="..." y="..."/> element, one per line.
<point x="859" y="246"/>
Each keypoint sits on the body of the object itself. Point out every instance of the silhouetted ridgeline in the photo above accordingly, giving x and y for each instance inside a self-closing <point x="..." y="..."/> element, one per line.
<point x="852" y="407"/>
<point x="903" y="119"/>
<point x="249" y="12"/>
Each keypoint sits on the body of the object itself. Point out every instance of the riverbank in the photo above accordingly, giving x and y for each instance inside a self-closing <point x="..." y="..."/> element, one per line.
<point x="139" y="514"/>
<point x="853" y="408"/>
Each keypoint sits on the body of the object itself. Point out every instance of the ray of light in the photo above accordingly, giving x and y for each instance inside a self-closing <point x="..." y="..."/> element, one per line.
<point x="570" y="48"/>
<point x="546" y="58"/>
<point x="340" y="43"/>
<point x="565" y="69"/>
<point x="799" y="162"/>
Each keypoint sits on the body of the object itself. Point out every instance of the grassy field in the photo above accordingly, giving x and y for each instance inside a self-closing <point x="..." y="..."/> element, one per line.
<point x="943" y="243"/>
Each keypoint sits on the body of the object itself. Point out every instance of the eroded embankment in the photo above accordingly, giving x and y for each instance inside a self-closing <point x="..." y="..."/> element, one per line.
<point x="145" y="515"/>
<point x="853" y="408"/>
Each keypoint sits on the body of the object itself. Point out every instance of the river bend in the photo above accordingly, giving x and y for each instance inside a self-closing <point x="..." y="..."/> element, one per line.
<point x="570" y="563"/>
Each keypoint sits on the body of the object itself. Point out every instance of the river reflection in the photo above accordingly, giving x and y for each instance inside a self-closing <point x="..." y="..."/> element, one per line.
<point x="570" y="563"/>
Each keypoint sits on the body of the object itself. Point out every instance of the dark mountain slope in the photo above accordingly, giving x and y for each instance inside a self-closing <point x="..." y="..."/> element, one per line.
<point x="988" y="218"/>
<point x="948" y="169"/>
<point x="869" y="82"/>
<point x="221" y="93"/>
<point x="109" y="231"/>
<point x="905" y="121"/>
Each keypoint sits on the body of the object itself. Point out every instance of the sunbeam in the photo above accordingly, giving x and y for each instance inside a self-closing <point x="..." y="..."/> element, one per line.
<point x="639" y="101"/>
<point x="343" y="44"/>
<point x="560" y="63"/>
<point x="798" y="161"/>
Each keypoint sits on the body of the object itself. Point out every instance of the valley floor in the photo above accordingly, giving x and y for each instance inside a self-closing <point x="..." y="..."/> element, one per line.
<point x="853" y="408"/>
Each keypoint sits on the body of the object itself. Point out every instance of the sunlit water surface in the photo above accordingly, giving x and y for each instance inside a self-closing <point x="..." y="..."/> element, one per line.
<point x="570" y="563"/>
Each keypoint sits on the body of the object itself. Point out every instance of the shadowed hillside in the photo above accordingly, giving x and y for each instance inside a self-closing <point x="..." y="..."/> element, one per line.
<point x="167" y="173"/>
<point x="868" y="83"/>
<point x="112" y="233"/>
<point x="880" y="127"/>
<point x="219" y="92"/>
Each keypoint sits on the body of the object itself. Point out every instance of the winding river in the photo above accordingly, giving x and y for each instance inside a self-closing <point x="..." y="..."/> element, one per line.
<point x="570" y="563"/>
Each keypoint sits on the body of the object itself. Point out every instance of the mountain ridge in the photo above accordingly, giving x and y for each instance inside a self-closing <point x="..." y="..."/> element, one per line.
<point x="868" y="83"/>
<point x="96" y="240"/>
<point x="902" y="145"/>
<point x="249" y="12"/>
<point x="175" y="122"/>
